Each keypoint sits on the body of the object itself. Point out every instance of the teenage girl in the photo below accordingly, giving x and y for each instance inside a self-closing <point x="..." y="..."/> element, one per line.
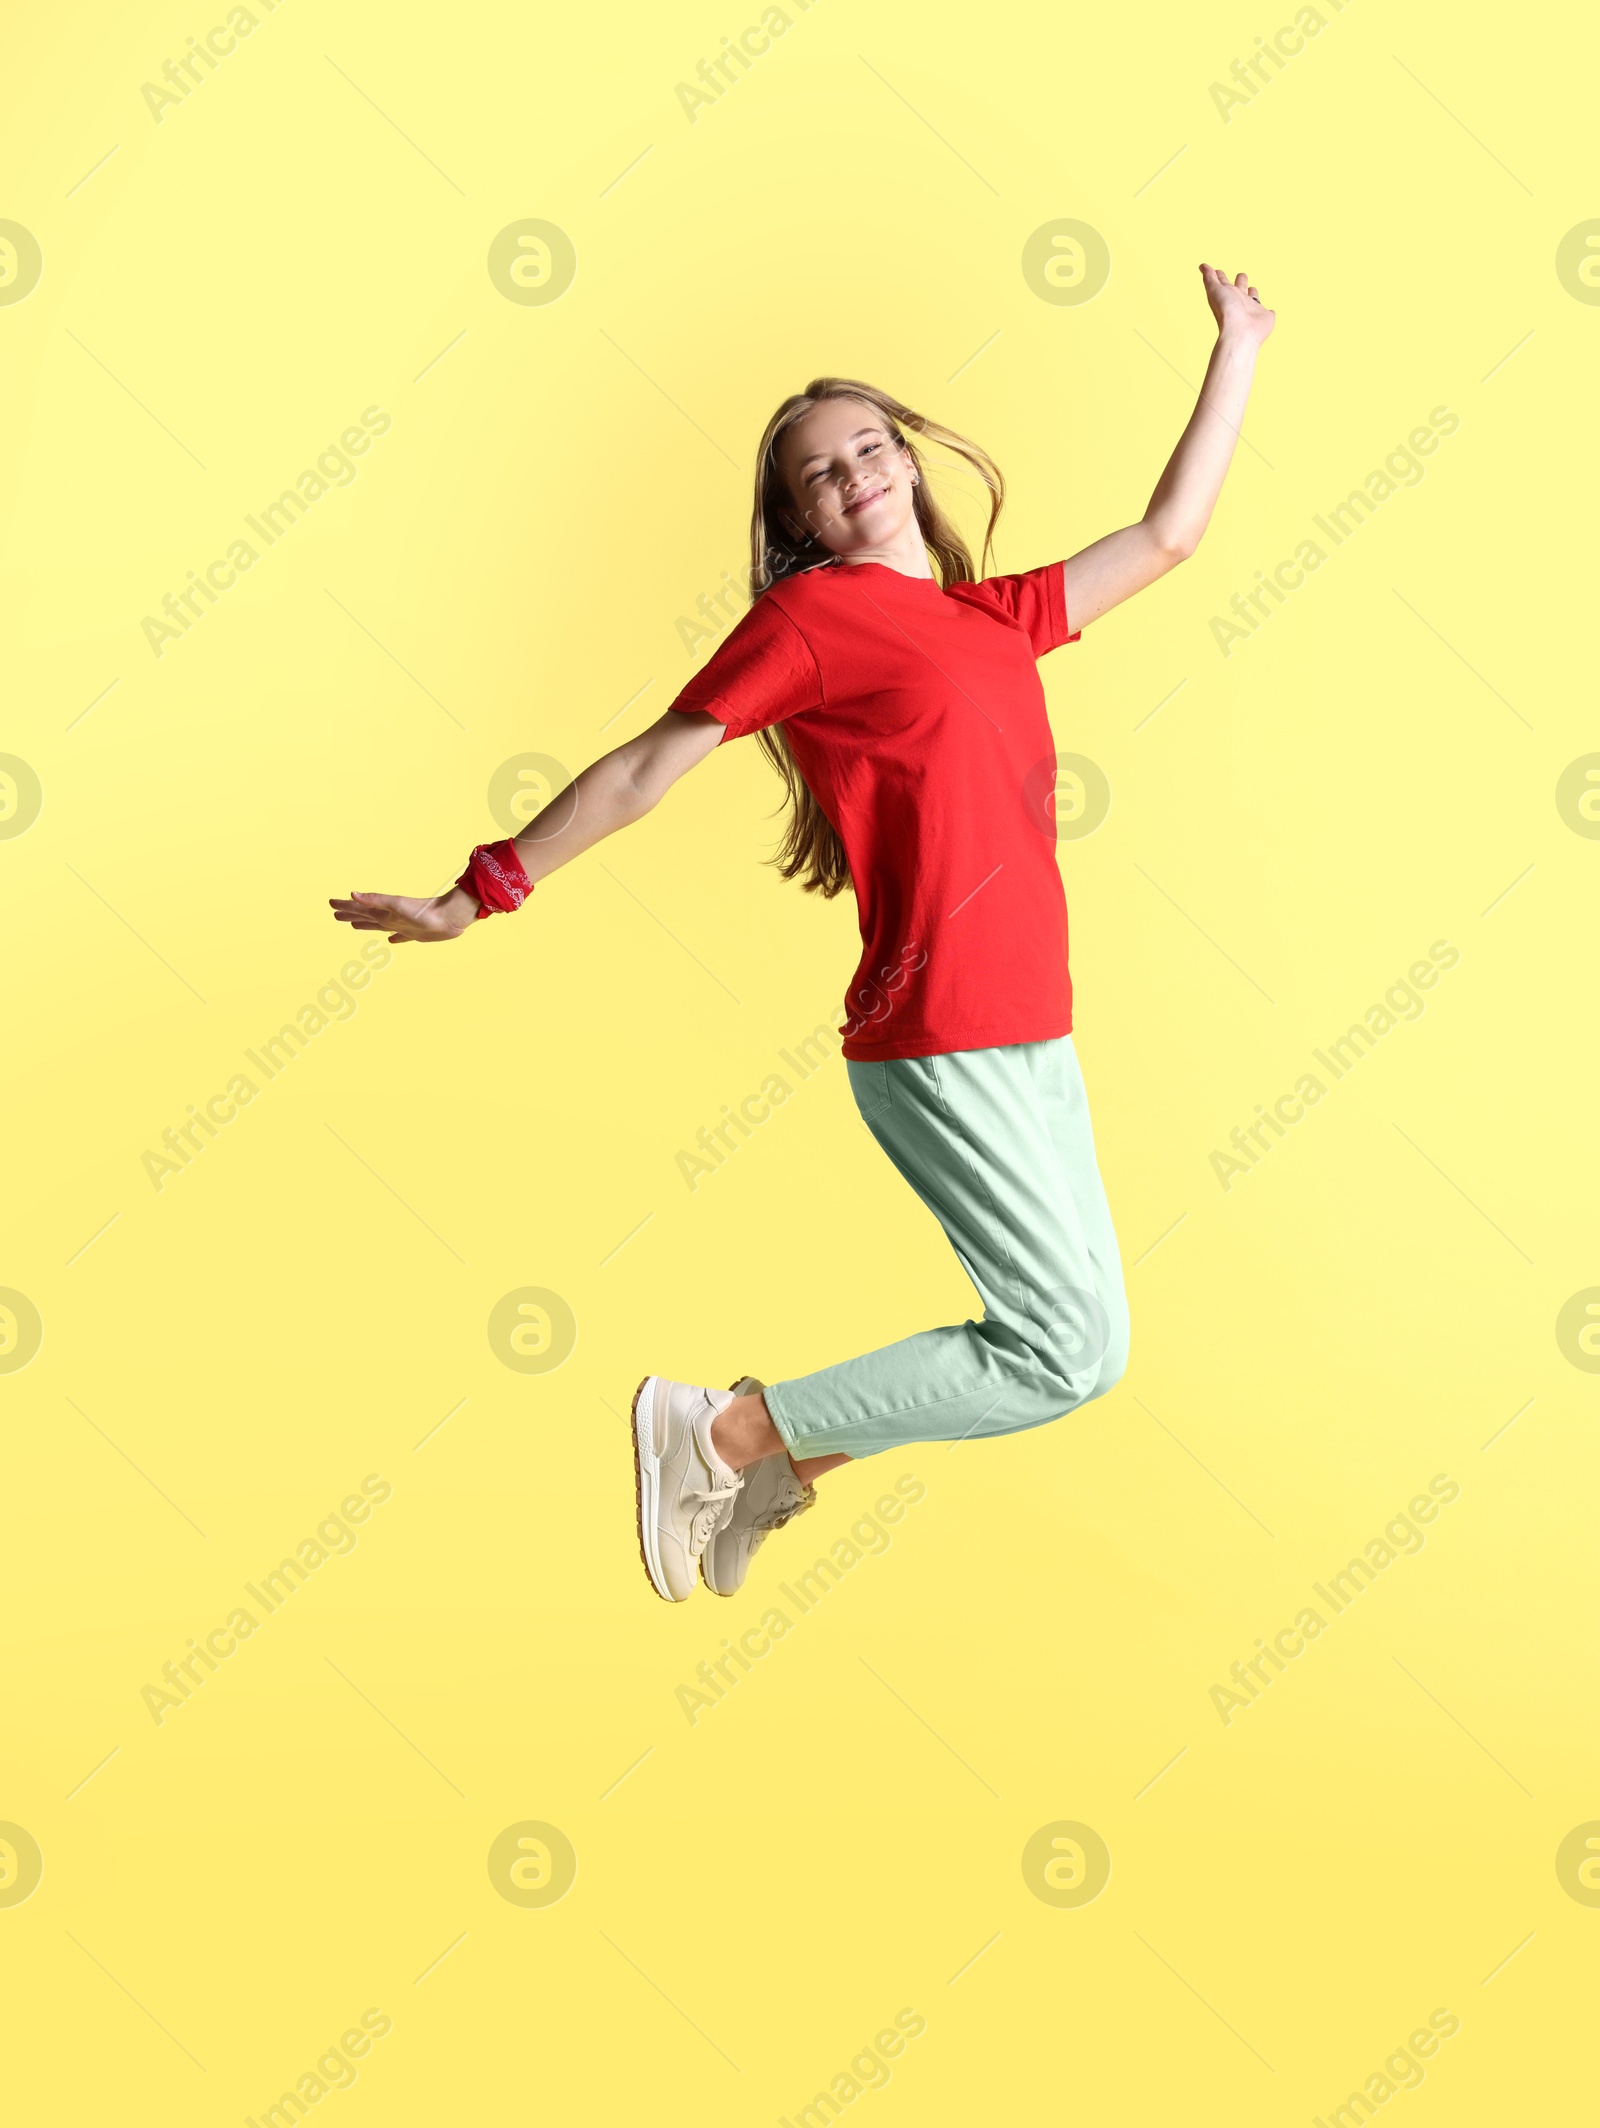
<point x="900" y="701"/>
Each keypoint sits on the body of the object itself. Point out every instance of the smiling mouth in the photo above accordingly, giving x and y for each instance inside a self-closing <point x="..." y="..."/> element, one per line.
<point x="861" y="503"/>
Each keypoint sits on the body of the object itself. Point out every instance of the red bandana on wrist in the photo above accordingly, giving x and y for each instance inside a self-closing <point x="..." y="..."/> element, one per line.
<point x="495" y="879"/>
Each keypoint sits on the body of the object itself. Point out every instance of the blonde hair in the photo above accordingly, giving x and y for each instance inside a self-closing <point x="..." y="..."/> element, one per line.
<point x="811" y="850"/>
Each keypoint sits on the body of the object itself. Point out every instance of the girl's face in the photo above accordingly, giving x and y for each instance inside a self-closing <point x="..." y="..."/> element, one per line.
<point x="850" y="483"/>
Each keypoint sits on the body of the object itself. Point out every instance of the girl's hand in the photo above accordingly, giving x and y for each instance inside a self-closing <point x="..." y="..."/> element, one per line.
<point x="1236" y="307"/>
<point x="427" y="921"/>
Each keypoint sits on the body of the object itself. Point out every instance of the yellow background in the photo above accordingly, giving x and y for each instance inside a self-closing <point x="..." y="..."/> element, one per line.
<point x="757" y="1895"/>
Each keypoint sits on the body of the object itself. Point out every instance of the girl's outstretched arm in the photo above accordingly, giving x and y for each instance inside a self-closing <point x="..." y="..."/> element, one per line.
<point x="1124" y="562"/>
<point x="620" y="787"/>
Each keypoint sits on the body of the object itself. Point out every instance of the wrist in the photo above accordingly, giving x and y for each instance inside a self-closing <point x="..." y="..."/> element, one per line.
<point x="494" y="881"/>
<point x="1238" y="343"/>
<point x="457" y="906"/>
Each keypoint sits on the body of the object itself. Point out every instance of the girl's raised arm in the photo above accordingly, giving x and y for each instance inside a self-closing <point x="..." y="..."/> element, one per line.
<point x="1124" y="562"/>
<point x="620" y="787"/>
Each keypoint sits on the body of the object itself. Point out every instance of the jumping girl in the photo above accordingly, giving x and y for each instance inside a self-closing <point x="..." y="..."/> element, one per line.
<point x="899" y="699"/>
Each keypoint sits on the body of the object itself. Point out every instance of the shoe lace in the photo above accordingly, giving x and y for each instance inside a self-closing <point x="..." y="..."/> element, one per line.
<point x="718" y="1506"/>
<point x="785" y="1511"/>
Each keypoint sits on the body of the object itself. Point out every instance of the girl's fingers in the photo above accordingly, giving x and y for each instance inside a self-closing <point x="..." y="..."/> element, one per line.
<point x="360" y="918"/>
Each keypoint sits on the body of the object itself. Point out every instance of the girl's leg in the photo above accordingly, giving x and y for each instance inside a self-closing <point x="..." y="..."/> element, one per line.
<point x="743" y="1434"/>
<point x="1066" y="1109"/>
<point x="808" y="1467"/>
<point x="996" y="1143"/>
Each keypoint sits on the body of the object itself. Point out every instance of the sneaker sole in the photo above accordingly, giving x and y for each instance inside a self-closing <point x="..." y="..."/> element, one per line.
<point x="647" y="1486"/>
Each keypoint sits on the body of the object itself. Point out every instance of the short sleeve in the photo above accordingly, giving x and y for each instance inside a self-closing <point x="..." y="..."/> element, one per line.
<point x="759" y="674"/>
<point x="1036" y="601"/>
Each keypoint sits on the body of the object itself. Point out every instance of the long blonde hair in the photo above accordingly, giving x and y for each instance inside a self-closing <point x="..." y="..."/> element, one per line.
<point x="811" y="850"/>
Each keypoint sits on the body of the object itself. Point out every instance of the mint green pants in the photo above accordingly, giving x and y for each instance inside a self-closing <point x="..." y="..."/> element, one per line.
<point x="997" y="1144"/>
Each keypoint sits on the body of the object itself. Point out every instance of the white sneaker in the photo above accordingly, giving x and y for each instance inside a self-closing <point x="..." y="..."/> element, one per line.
<point x="772" y="1496"/>
<point x="685" y="1491"/>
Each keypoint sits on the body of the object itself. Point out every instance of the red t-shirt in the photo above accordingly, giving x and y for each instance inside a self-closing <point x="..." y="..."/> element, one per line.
<point x="918" y="721"/>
